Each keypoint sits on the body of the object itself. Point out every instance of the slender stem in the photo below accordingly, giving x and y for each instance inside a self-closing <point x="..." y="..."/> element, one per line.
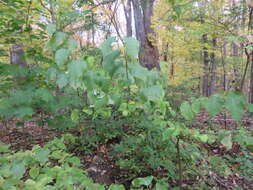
<point x="179" y="164"/>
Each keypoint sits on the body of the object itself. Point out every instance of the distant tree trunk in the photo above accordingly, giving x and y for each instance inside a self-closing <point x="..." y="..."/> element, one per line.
<point x="235" y="55"/>
<point x="172" y="68"/>
<point x="17" y="55"/>
<point x="149" y="54"/>
<point x="128" y="16"/>
<point x="223" y="62"/>
<point x="205" y="84"/>
<point x="213" y="69"/>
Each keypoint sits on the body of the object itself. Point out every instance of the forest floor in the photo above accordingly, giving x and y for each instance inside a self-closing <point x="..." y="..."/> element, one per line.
<point x="101" y="167"/>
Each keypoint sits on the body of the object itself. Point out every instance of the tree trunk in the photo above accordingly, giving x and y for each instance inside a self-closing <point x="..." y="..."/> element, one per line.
<point x="213" y="69"/>
<point x="251" y="80"/>
<point x="17" y="55"/>
<point x="223" y="61"/>
<point x="251" y="67"/>
<point x="128" y="16"/>
<point x="205" y="84"/>
<point x="149" y="55"/>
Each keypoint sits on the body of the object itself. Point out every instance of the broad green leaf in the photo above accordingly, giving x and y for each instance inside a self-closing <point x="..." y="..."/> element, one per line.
<point x="75" y="161"/>
<point x="227" y="141"/>
<point x="161" y="186"/>
<point x="116" y="187"/>
<point x="109" y="63"/>
<point x="153" y="93"/>
<point x="52" y="74"/>
<point x="203" y="138"/>
<point x="72" y="44"/>
<point x="186" y="111"/>
<point x="146" y="181"/>
<point x="235" y="105"/>
<point x="132" y="47"/>
<point x="60" y="38"/>
<point x="62" y="80"/>
<point x="250" y="107"/>
<point x="196" y="106"/>
<point x="42" y="155"/>
<point x="34" y="172"/>
<point x="214" y="105"/>
<point x="75" y="115"/>
<point x="23" y="112"/>
<point x="4" y="147"/>
<point x="61" y="56"/>
<point x="44" y="94"/>
<point x="51" y="29"/>
<point x="138" y="71"/>
<point x="18" y="170"/>
<point x="170" y="132"/>
<point x="76" y="68"/>
<point x="106" y="46"/>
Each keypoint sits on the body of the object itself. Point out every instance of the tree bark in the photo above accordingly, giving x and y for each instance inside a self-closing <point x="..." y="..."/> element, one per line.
<point x="213" y="69"/>
<point x="223" y="61"/>
<point x="17" y="55"/>
<point x="128" y="16"/>
<point x="149" y="54"/>
<point x="205" y="84"/>
<point x="251" y="67"/>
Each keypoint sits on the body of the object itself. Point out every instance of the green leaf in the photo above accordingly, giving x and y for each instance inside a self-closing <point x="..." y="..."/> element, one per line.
<point x="72" y="44"/>
<point x="116" y="187"/>
<point x="42" y="155"/>
<point x="75" y="161"/>
<point x="153" y="93"/>
<point x="76" y="68"/>
<point x="62" y="80"/>
<point x="75" y="115"/>
<point x="60" y="38"/>
<point x="106" y="46"/>
<point x="61" y="56"/>
<point x="170" y="132"/>
<point x="34" y="172"/>
<point x="51" y="29"/>
<point x="203" y="138"/>
<point x="146" y="181"/>
<point x="138" y="71"/>
<point x="227" y="141"/>
<point x="52" y="74"/>
<point x="132" y="47"/>
<point x="109" y="63"/>
<point x="44" y="94"/>
<point x="196" y="106"/>
<point x="18" y="170"/>
<point x="235" y="105"/>
<point x="186" y="111"/>
<point x="4" y="147"/>
<point x="161" y="186"/>
<point x="214" y="105"/>
<point x="23" y="112"/>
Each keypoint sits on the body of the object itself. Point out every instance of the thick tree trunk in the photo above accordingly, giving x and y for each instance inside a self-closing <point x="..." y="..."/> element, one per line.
<point x="128" y="16"/>
<point x="205" y="84"/>
<point x="17" y="55"/>
<point x="149" y="54"/>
